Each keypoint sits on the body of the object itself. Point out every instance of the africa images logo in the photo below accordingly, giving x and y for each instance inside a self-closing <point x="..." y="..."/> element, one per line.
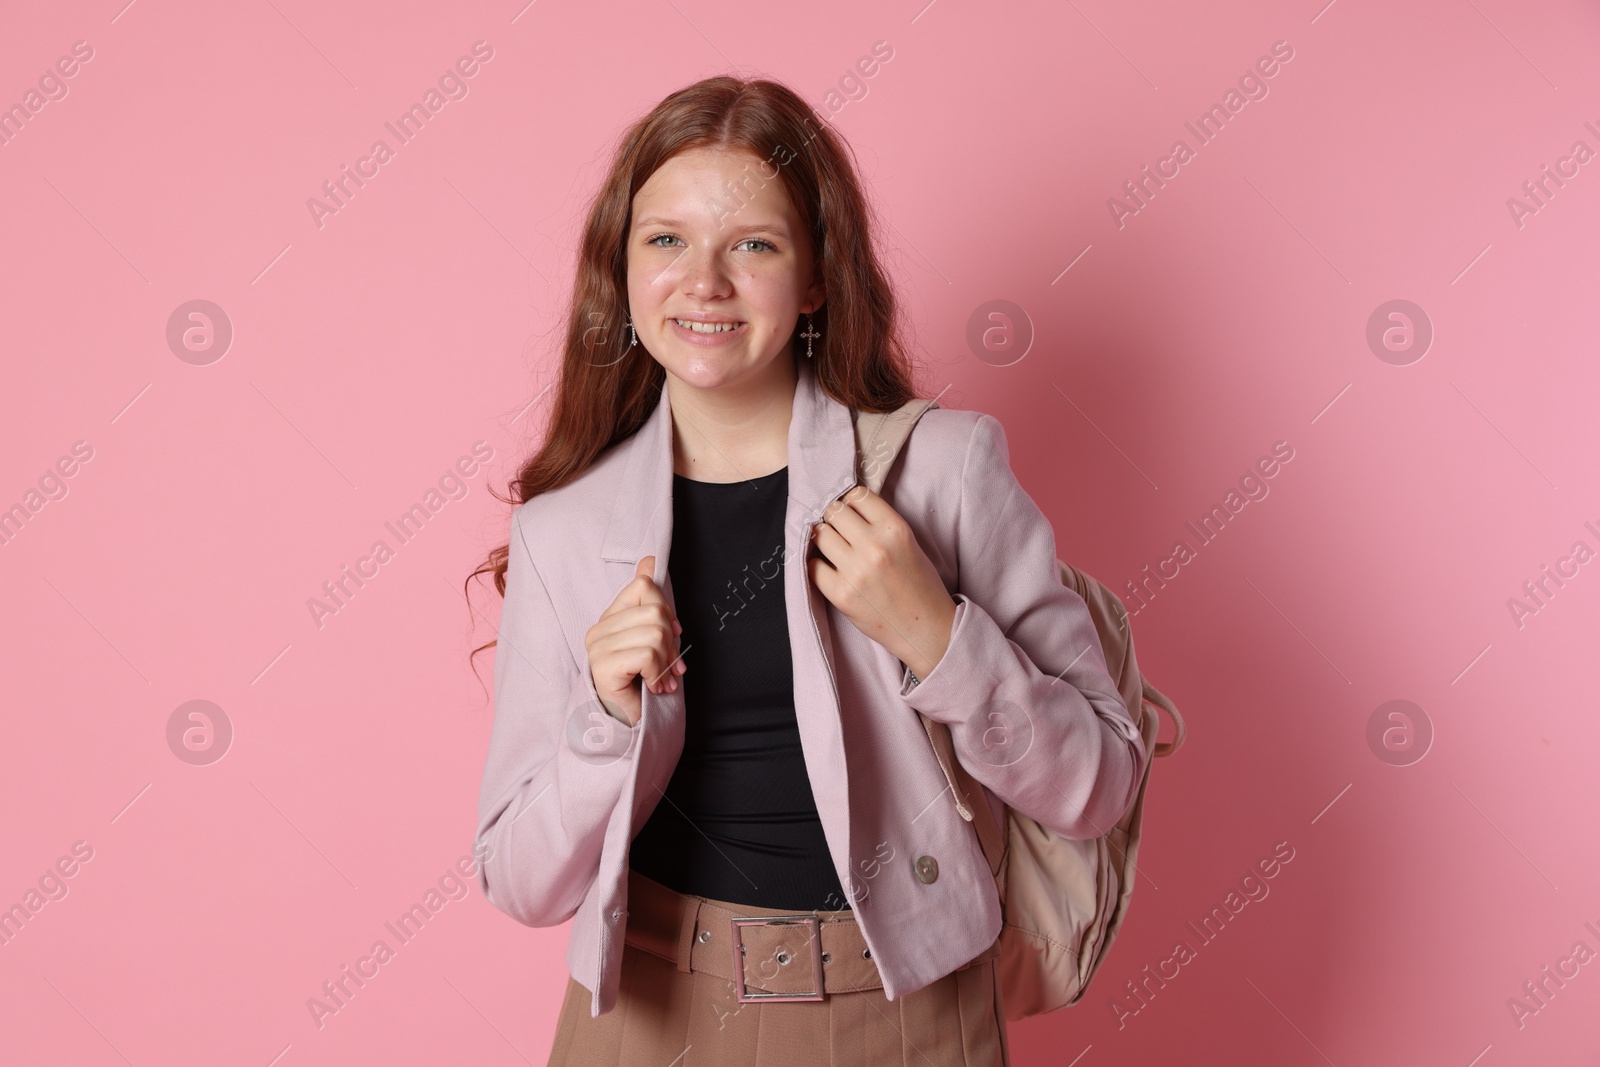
<point x="452" y="85"/>
<point x="1252" y="85"/>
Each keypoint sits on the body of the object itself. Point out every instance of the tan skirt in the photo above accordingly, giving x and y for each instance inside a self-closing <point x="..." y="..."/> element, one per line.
<point x="677" y="1006"/>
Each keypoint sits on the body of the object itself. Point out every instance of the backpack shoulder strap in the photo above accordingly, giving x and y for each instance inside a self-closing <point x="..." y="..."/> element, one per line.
<point x="880" y="436"/>
<point x="1116" y="644"/>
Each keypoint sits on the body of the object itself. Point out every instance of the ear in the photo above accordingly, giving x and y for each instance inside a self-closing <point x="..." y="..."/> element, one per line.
<point x="815" y="296"/>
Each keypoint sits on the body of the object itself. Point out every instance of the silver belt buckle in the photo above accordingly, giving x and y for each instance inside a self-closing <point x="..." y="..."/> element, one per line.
<point x="739" y="921"/>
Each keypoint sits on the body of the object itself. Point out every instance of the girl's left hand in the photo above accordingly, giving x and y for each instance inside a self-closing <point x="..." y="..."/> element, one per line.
<point x="872" y="570"/>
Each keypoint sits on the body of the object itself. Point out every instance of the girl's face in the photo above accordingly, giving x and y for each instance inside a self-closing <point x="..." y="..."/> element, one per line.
<point x="715" y="241"/>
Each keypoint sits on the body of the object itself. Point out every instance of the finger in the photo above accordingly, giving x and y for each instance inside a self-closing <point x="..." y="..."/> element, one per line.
<point x="850" y="523"/>
<point x="869" y="505"/>
<point x="822" y="575"/>
<point x="640" y="619"/>
<point x="641" y="590"/>
<point x="645" y="581"/>
<point x="651" y="668"/>
<point x="641" y="656"/>
<point x="831" y="543"/>
<point x="636" y="591"/>
<point x="663" y="675"/>
<point x="823" y="567"/>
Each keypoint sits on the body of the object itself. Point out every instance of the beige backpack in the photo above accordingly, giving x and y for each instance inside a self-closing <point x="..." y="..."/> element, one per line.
<point x="1062" y="900"/>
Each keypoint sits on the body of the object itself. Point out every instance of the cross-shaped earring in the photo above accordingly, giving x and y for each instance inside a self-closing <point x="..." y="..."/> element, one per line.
<point x="810" y="335"/>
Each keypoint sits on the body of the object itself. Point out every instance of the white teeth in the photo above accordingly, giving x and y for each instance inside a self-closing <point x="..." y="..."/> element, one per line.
<point x="707" y="327"/>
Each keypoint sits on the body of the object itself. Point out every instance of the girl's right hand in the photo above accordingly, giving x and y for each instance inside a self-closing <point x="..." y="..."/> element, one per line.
<point x="636" y="637"/>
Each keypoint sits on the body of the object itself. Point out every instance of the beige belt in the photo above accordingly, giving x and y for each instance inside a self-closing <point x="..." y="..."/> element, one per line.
<point x="767" y="953"/>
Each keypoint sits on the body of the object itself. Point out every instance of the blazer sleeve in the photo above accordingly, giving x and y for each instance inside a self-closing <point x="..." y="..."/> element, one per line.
<point x="557" y="761"/>
<point x="1033" y="713"/>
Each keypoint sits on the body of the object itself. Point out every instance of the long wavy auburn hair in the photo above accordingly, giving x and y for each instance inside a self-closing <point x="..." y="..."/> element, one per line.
<point x="607" y="389"/>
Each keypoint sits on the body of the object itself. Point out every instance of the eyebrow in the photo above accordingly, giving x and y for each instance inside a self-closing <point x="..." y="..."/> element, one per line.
<point x="753" y="227"/>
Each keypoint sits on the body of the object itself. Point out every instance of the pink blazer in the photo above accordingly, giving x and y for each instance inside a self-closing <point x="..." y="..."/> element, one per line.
<point x="566" y="786"/>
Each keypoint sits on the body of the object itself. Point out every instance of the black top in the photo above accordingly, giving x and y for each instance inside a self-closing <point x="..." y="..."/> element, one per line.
<point x="738" y="821"/>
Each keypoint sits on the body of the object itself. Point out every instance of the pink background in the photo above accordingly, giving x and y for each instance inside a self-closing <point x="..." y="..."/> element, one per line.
<point x="371" y="353"/>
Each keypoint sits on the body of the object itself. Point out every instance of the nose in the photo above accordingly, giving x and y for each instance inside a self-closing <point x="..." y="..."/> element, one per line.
<point x="704" y="273"/>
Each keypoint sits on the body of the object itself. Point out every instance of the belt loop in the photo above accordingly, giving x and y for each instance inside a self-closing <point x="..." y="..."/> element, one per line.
<point x="688" y="924"/>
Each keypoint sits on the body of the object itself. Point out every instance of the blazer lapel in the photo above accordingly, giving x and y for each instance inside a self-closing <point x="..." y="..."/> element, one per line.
<point x="822" y="466"/>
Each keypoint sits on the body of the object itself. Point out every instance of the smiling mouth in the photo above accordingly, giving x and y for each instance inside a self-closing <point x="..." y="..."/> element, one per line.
<point x="708" y="327"/>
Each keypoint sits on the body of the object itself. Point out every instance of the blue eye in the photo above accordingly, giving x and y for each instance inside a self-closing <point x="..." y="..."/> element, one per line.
<point x="768" y="246"/>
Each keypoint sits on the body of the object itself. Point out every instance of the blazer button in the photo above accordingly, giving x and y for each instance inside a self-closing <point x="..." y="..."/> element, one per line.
<point x="927" y="868"/>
